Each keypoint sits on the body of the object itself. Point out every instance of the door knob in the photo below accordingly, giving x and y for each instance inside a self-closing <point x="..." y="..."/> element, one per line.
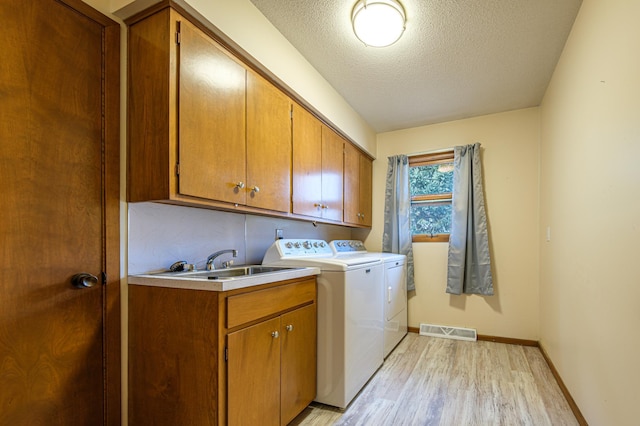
<point x="84" y="280"/>
<point x="289" y="327"/>
<point x="275" y="334"/>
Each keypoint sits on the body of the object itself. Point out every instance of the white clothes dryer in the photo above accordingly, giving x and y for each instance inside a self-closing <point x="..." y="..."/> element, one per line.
<point x="394" y="287"/>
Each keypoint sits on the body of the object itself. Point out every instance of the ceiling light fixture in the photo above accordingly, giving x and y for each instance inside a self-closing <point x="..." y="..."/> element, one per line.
<point x="378" y="23"/>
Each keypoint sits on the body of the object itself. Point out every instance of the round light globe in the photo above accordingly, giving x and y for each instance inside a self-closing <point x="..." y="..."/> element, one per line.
<point x="378" y="23"/>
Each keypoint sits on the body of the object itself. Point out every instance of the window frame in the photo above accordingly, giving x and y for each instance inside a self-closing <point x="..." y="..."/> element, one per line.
<point x="441" y="157"/>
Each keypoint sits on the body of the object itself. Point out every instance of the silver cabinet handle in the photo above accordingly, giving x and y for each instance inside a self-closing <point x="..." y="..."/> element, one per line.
<point x="255" y="188"/>
<point x="240" y="185"/>
<point x="84" y="280"/>
<point x="275" y="334"/>
<point x="289" y="327"/>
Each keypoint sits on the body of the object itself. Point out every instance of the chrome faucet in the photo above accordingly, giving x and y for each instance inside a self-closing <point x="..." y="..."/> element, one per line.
<point x="211" y="266"/>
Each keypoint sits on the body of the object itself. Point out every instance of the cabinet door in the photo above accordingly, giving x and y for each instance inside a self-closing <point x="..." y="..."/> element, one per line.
<point x="307" y="163"/>
<point x="332" y="170"/>
<point x="298" y="361"/>
<point x="253" y="375"/>
<point x="211" y="119"/>
<point x="268" y="146"/>
<point x="351" y="184"/>
<point x="366" y="175"/>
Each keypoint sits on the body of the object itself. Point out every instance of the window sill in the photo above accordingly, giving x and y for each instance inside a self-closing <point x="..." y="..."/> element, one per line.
<point x="425" y="238"/>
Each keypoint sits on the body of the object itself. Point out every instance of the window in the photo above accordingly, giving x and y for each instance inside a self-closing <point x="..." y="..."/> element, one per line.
<point x="431" y="184"/>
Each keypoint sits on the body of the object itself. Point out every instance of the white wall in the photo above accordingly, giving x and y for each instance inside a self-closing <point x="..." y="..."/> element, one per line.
<point x="590" y="198"/>
<point x="160" y="235"/>
<point x="510" y="143"/>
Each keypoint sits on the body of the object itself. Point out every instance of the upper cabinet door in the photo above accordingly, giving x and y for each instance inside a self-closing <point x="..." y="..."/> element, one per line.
<point x="366" y="176"/>
<point x="351" y="184"/>
<point x="268" y="145"/>
<point x="307" y="163"/>
<point x="357" y="186"/>
<point x="211" y="97"/>
<point x="332" y="170"/>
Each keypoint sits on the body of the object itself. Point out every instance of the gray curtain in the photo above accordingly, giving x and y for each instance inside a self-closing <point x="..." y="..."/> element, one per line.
<point x="469" y="264"/>
<point x="397" y="213"/>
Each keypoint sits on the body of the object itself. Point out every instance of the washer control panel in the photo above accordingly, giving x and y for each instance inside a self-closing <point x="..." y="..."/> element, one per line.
<point x="298" y="247"/>
<point x="347" y="246"/>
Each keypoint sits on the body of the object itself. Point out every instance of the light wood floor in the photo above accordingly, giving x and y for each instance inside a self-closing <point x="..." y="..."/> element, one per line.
<point x="436" y="381"/>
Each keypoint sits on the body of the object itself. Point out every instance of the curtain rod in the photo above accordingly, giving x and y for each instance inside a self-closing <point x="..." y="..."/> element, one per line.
<point x="435" y="151"/>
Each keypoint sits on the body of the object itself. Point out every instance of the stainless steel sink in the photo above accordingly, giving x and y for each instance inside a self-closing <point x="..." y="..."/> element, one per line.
<point x="228" y="273"/>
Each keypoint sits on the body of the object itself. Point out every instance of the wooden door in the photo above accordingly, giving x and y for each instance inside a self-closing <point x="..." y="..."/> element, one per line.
<point x="59" y="142"/>
<point x="365" y="181"/>
<point x="351" y="184"/>
<point x="268" y="146"/>
<point x="307" y="163"/>
<point x="298" y="361"/>
<point x="332" y="171"/>
<point x="211" y="94"/>
<point x="253" y="375"/>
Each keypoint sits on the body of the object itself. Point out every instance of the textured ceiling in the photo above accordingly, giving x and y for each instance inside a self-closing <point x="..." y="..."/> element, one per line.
<point x="456" y="59"/>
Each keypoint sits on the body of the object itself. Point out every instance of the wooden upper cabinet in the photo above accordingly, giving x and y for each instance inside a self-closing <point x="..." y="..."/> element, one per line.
<point x="317" y="168"/>
<point x="357" y="186"/>
<point x="332" y="174"/>
<point x="366" y="187"/>
<point x="207" y="130"/>
<point x="212" y="93"/>
<point x="307" y="163"/>
<point x="268" y="145"/>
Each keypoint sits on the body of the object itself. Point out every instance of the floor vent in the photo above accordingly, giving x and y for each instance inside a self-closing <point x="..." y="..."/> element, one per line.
<point x="457" y="333"/>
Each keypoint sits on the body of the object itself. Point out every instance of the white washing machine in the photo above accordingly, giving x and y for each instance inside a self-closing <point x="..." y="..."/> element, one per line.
<point x="350" y="305"/>
<point x="394" y="287"/>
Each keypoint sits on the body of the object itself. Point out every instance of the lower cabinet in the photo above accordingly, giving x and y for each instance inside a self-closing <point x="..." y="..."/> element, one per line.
<point x="239" y="357"/>
<point x="269" y="366"/>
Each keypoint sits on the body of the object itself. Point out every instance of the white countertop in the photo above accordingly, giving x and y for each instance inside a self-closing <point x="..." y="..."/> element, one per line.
<point x="220" y="284"/>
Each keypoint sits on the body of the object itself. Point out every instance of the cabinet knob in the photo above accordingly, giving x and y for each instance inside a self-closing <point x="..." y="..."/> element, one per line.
<point x="324" y="206"/>
<point x="289" y="327"/>
<point x="275" y="334"/>
<point x="240" y="185"/>
<point x="255" y="188"/>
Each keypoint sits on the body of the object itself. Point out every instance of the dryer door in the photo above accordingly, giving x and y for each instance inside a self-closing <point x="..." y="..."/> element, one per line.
<point x="395" y="289"/>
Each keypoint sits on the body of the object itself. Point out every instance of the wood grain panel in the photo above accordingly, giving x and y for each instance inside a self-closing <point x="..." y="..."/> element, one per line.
<point x="244" y="308"/>
<point x="212" y="88"/>
<point x="307" y="163"/>
<point x="429" y="380"/>
<point x="254" y="375"/>
<point x="59" y="169"/>
<point x="366" y="188"/>
<point x="332" y="171"/>
<point x="351" y="184"/>
<point x="173" y="356"/>
<point x="151" y="122"/>
<point x="268" y="145"/>
<point x="298" y="361"/>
